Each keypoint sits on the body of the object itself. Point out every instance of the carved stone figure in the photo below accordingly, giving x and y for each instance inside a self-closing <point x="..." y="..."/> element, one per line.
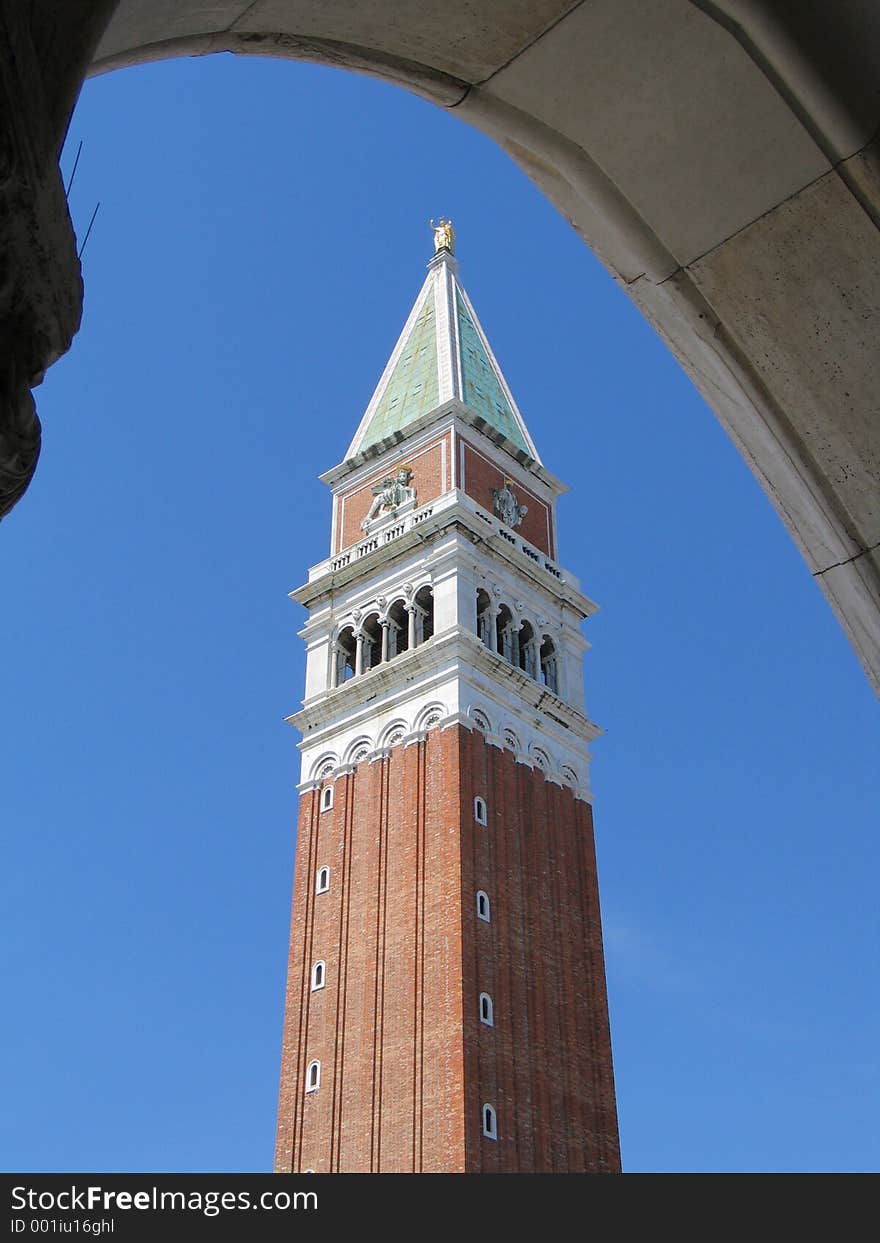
<point x="390" y="494"/>
<point x="506" y="507"/>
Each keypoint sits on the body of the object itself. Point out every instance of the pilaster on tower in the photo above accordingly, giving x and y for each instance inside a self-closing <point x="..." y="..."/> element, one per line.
<point x="459" y="1021"/>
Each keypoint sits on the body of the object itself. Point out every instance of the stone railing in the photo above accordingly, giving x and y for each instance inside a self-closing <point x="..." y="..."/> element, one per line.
<point x="383" y="535"/>
<point x="513" y="538"/>
<point x="379" y="537"/>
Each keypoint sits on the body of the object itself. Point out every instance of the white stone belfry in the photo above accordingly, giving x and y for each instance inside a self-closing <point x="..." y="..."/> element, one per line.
<point x="442" y="601"/>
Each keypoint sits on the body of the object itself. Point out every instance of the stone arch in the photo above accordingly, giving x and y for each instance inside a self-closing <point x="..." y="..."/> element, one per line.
<point x="358" y="750"/>
<point x="549" y="663"/>
<point x="398" y="616"/>
<point x="371" y="629"/>
<point x="505" y="633"/>
<point x="430" y="716"/>
<point x="324" y="765"/>
<point x="481" y="719"/>
<point x="423" y="601"/>
<point x="526" y="650"/>
<point x="485" y="623"/>
<point x="541" y="758"/>
<point x="393" y="734"/>
<point x="344" y="655"/>
<point x="621" y="177"/>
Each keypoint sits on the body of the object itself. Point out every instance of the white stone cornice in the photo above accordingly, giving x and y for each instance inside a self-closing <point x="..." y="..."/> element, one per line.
<point x="452" y="412"/>
<point x="456" y="508"/>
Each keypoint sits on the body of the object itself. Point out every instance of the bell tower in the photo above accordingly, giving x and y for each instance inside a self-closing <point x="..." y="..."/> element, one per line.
<point x="446" y="1006"/>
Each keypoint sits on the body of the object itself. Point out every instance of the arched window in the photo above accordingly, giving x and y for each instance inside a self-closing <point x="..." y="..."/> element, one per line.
<point x="484" y="617"/>
<point x="505" y="634"/>
<point x="490" y="1122"/>
<point x="346" y="649"/>
<point x="322" y="881"/>
<point x="313" y="1076"/>
<point x="549" y="664"/>
<point x="372" y="642"/>
<point x="424" y="615"/>
<point x="483" y="906"/>
<point x="319" y="972"/>
<point x="527" y="650"/>
<point x="480" y="813"/>
<point x="398" y="629"/>
<point x="326" y="798"/>
<point x="487" y="1010"/>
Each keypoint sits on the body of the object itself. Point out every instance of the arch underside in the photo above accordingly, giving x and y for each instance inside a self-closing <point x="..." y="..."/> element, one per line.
<point x="719" y="156"/>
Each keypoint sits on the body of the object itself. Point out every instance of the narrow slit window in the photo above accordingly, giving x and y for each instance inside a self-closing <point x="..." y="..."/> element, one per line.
<point x="490" y="1122"/>
<point x="322" y="882"/>
<point x="319" y="972"/>
<point x="483" y="911"/>
<point x="481" y="814"/>
<point x="313" y="1076"/>
<point x="487" y="1010"/>
<point x="326" y="798"/>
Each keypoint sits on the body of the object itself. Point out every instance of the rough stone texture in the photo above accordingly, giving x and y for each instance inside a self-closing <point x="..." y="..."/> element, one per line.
<point x="685" y="173"/>
<point x="810" y="326"/>
<point x="406" y="1063"/>
<point x="458" y="38"/>
<point x="40" y="285"/>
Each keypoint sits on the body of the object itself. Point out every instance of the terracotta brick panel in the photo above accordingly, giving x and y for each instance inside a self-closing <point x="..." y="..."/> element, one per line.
<point x="430" y="480"/>
<point x="481" y="476"/>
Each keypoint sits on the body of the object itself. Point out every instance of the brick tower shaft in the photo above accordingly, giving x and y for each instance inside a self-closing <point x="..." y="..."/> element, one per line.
<point x="409" y="1059"/>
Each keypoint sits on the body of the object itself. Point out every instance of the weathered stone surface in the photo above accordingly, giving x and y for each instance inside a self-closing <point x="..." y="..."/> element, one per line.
<point x="40" y="285"/>
<point x="798" y="291"/>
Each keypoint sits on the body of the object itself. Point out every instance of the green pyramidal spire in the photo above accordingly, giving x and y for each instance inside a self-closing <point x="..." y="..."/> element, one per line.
<point x="441" y="354"/>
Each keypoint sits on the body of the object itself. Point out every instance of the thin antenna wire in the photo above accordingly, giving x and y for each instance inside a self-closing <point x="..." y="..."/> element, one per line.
<point x="73" y="174"/>
<point x="88" y="230"/>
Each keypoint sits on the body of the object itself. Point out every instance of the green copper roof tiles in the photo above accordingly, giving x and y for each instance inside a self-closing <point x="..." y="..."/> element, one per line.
<point x="412" y="390"/>
<point x="481" y="388"/>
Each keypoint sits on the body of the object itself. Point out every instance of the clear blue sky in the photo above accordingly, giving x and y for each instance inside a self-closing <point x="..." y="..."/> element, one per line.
<point x="262" y="234"/>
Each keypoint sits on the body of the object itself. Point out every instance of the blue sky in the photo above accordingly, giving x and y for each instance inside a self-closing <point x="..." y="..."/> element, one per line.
<point x="262" y="234"/>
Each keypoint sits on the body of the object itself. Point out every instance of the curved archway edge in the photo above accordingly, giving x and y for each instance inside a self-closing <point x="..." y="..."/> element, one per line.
<point x="720" y="159"/>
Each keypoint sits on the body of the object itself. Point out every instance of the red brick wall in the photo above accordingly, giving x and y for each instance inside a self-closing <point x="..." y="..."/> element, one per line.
<point x="406" y="1063"/>
<point x="428" y="481"/>
<point x="545" y="1065"/>
<point x="387" y="1027"/>
<point x="481" y="476"/>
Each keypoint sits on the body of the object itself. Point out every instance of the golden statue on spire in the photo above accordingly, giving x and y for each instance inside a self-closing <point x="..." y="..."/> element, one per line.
<point x="444" y="236"/>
